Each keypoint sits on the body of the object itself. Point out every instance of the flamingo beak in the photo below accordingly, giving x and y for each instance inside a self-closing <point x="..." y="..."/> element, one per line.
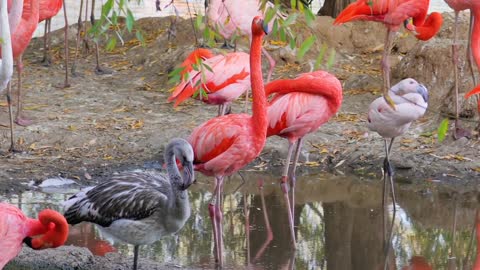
<point x="28" y="241"/>
<point x="265" y="27"/>
<point x="423" y="91"/>
<point x="188" y="175"/>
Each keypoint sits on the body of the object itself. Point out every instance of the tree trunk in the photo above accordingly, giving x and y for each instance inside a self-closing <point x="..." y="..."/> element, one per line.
<point x="333" y="7"/>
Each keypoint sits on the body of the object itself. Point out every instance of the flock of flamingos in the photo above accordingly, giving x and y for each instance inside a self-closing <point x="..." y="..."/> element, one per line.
<point x="141" y="207"/>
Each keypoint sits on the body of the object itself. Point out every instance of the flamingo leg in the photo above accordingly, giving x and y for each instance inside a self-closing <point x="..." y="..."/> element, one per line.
<point x="386" y="68"/>
<point x="135" y="257"/>
<point x="271" y="62"/>
<point x="19" y="119"/>
<point x="77" y="42"/>
<point x="469" y="49"/>
<point x="98" y="69"/>
<point x="216" y="217"/>
<point x="246" y="212"/>
<point x="284" y="186"/>
<point x="267" y="223"/>
<point x="293" y="178"/>
<point x="10" y="114"/>
<point x="46" y="44"/>
<point x="66" y="84"/>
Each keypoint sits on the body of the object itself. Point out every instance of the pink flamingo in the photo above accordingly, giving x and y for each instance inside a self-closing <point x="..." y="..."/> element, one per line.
<point x="225" y="144"/>
<point x="21" y="36"/>
<point x="228" y="78"/>
<point x="473" y="42"/>
<point x="233" y="17"/>
<point x="49" y="231"/>
<point x="411" y="101"/>
<point x="299" y="107"/>
<point x="392" y="13"/>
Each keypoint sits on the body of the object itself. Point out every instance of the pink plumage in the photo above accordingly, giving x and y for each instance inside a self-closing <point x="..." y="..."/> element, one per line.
<point x="16" y="228"/>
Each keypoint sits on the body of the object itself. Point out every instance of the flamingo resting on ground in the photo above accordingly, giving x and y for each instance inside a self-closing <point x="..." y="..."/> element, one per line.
<point x="225" y="144"/>
<point x="411" y="102"/>
<point x="228" y="79"/>
<point x="232" y="17"/>
<point x="49" y="231"/>
<point x="299" y="107"/>
<point x="139" y="208"/>
<point x="392" y="13"/>
<point x="23" y="29"/>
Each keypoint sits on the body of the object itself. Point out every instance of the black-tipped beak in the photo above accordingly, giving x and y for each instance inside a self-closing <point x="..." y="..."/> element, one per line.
<point x="423" y="91"/>
<point x="265" y="27"/>
<point x="28" y="241"/>
<point x="188" y="175"/>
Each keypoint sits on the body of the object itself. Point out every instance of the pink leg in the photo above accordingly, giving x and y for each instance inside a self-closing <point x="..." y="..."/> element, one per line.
<point x="293" y="178"/>
<point x="216" y="215"/>
<point x="19" y="119"/>
<point x="267" y="223"/>
<point x="272" y="63"/>
<point x="386" y="68"/>
<point x="284" y="187"/>
<point x="246" y="212"/>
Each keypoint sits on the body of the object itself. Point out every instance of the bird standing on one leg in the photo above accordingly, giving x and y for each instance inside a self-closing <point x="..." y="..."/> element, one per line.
<point x="225" y="144"/>
<point x="392" y="13"/>
<point x="300" y="106"/>
<point x="411" y="102"/>
<point x="139" y="208"/>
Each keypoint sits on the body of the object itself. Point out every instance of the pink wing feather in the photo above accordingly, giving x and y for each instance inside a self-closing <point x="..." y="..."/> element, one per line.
<point x="12" y="232"/>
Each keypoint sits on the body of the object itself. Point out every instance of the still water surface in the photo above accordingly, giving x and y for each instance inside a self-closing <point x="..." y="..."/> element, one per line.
<point x="147" y="9"/>
<point x="338" y="221"/>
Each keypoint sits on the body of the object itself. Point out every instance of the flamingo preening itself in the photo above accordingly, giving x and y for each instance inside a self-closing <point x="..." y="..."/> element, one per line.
<point x="139" y="208"/>
<point x="226" y="78"/>
<point x="232" y="17"/>
<point x="393" y="13"/>
<point x="298" y="107"/>
<point x="411" y="102"/>
<point x="49" y="231"/>
<point x="225" y="144"/>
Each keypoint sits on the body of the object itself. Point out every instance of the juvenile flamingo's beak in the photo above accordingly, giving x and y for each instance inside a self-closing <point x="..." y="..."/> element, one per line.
<point x="423" y="91"/>
<point x="188" y="175"/>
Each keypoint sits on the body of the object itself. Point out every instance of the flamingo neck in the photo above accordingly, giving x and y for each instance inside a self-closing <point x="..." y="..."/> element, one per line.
<point x="15" y="14"/>
<point x="52" y="227"/>
<point x="259" y="111"/>
<point x="172" y="167"/>
<point x="475" y="42"/>
<point x="428" y="28"/>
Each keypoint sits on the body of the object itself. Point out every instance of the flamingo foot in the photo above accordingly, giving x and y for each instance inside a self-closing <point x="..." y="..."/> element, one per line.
<point x="62" y="85"/>
<point x="103" y="71"/>
<point x="22" y="121"/>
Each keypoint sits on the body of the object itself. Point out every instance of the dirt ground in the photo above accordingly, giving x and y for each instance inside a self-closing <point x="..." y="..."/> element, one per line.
<point x="103" y="123"/>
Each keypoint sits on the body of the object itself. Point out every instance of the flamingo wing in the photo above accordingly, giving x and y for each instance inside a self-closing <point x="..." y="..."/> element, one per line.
<point x="130" y="195"/>
<point x="12" y="232"/>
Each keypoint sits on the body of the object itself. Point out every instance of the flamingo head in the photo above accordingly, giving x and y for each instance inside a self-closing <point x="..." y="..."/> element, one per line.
<point x="410" y="85"/>
<point x="259" y="26"/>
<point x="183" y="152"/>
<point x="56" y="231"/>
<point x="428" y="28"/>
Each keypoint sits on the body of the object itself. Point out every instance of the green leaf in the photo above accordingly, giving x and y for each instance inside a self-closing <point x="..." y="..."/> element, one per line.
<point x="331" y="59"/>
<point x="292" y="43"/>
<point x="107" y="7"/>
<point x="309" y="16"/>
<point x="293" y="4"/>
<point x="306" y="45"/>
<point x="320" y="56"/>
<point x="270" y="14"/>
<point x="442" y="130"/>
<point x="129" y="20"/>
<point x="139" y="36"/>
<point x="207" y="67"/>
<point x="111" y="44"/>
<point x="291" y="19"/>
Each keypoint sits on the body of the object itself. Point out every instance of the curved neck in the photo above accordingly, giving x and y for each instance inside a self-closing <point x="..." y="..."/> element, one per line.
<point x="259" y="111"/>
<point x="53" y="227"/>
<point x="6" y="62"/>
<point x="326" y="86"/>
<point x="428" y="28"/>
<point x="172" y="168"/>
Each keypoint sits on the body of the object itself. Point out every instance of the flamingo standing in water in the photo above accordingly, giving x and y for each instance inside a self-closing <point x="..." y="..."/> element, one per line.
<point x="392" y="13"/>
<point x="49" y="231"/>
<point x="228" y="78"/>
<point x="232" y="17"/>
<point x="299" y="107"/>
<point x="139" y="208"/>
<point x="225" y="144"/>
<point x="411" y="102"/>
